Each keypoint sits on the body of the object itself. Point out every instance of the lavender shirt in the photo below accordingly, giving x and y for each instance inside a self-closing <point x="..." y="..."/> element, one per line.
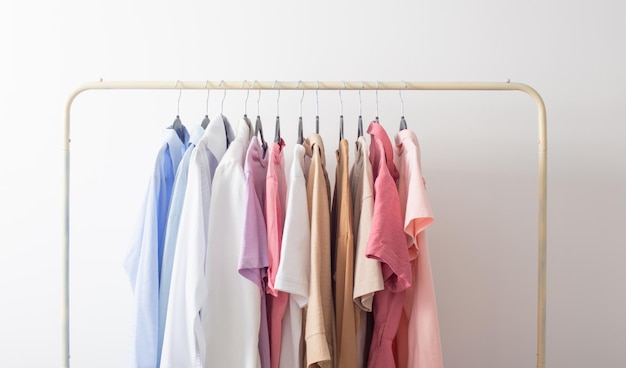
<point x="253" y="261"/>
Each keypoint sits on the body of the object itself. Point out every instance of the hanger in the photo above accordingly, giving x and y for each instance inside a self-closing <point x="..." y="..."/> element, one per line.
<point x="245" y="104"/>
<point x="258" y="126"/>
<point x="223" y="97"/>
<point x="317" y="109"/>
<point x="377" y="85"/>
<point x="177" y="125"/>
<point x="360" y="123"/>
<point x="402" y="121"/>
<point x="277" y="137"/>
<point x="341" y="114"/>
<point x="300" y="132"/>
<point x="206" y="120"/>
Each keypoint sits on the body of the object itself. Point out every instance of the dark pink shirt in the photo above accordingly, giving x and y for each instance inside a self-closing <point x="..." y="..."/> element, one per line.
<point x="387" y="244"/>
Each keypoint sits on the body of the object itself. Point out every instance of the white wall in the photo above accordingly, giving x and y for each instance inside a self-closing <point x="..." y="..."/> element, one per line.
<point x="479" y="153"/>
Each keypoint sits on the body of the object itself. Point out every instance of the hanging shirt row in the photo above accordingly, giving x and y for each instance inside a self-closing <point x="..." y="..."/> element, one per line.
<point x="237" y="264"/>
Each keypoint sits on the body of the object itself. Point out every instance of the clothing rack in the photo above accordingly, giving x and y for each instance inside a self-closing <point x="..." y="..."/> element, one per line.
<point x="317" y="85"/>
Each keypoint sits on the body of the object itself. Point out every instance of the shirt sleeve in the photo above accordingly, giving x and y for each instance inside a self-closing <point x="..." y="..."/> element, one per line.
<point x="142" y="267"/>
<point x="419" y="214"/>
<point x="294" y="269"/>
<point x="387" y="242"/>
<point x="253" y="256"/>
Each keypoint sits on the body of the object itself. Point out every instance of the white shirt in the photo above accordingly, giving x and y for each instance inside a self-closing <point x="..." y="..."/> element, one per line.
<point x="171" y="231"/>
<point x="295" y="262"/>
<point x="231" y="318"/>
<point x="183" y="341"/>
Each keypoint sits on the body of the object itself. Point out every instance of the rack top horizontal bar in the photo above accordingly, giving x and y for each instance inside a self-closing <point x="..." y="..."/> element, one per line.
<point x="306" y="85"/>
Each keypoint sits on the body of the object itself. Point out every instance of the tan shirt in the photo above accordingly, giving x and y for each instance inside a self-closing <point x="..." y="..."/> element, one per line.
<point x="343" y="272"/>
<point x="368" y="278"/>
<point x="320" y="317"/>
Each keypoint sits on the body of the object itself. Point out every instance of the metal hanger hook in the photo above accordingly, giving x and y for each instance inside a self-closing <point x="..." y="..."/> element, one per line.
<point x="317" y="100"/>
<point x="360" y="101"/>
<point x="245" y="106"/>
<point x="223" y="97"/>
<point x="301" y="98"/>
<point x="180" y="92"/>
<point x="258" y="110"/>
<point x="341" y="99"/>
<point x="208" y="93"/>
<point x="277" y="98"/>
<point x="377" y="86"/>
<point x="401" y="100"/>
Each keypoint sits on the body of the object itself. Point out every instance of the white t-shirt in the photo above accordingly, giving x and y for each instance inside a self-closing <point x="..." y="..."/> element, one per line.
<point x="295" y="262"/>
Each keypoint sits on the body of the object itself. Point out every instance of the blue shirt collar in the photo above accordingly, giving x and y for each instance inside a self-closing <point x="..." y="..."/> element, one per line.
<point x="176" y="146"/>
<point x="196" y="133"/>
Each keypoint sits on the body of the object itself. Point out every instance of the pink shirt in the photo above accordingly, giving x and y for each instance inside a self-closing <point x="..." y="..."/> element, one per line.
<point x="418" y="340"/>
<point x="275" y="199"/>
<point x="253" y="259"/>
<point x="387" y="244"/>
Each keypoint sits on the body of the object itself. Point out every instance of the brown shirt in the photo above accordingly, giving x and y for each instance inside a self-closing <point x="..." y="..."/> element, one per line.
<point x="343" y="272"/>
<point x="320" y="317"/>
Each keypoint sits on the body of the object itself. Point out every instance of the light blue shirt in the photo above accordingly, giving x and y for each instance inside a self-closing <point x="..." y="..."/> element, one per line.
<point x="143" y="262"/>
<point x="171" y="233"/>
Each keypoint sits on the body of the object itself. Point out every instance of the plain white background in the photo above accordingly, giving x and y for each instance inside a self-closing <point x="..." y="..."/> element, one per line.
<point x="479" y="153"/>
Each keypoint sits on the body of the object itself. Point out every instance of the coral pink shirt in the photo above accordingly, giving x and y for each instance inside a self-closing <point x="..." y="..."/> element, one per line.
<point x="275" y="207"/>
<point x="387" y="244"/>
<point x="418" y="340"/>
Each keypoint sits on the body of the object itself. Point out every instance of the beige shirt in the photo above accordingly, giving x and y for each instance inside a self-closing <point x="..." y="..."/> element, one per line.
<point x="343" y="272"/>
<point x="368" y="278"/>
<point x="320" y="316"/>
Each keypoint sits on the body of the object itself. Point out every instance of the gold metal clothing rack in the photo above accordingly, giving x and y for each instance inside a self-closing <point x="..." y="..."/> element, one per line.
<point x="318" y="85"/>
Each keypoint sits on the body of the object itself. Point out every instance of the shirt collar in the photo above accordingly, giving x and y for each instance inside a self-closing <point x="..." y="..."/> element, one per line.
<point x="244" y="129"/>
<point x="311" y="142"/>
<point x="298" y="160"/>
<point x="176" y="146"/>
<point x="378" y="133"/>
<point x="343" y="149"/>
<point x="217" y="136"/>
<point x="404" y="135"/>
<point x="255" y="152"/>
<point x="196" y="133"/>
<point x="275" y="150"/>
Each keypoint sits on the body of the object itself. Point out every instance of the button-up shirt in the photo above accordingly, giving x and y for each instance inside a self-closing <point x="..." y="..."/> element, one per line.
<point x="253" y="260"/>
<point x="418" y="342"/>
<point x="171" y="231"/>
<point x="143" y="261"/>
<point x="387" y="244"/>
<point x="231" y="319"/>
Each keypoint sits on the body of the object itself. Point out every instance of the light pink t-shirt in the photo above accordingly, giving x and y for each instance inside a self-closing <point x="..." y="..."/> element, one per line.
<point x="387" y="243"/>
<point x="418" y="342"/>
<point x="275" y="206"/>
